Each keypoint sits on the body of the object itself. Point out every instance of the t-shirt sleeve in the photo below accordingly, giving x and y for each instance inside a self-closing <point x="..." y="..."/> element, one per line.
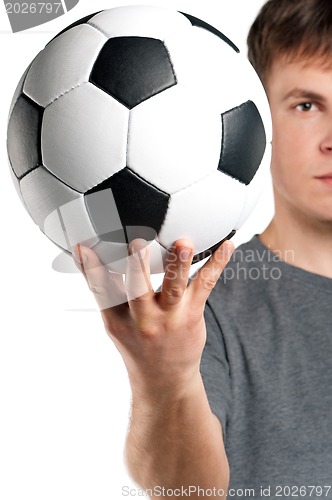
<point x="214" y="369"/>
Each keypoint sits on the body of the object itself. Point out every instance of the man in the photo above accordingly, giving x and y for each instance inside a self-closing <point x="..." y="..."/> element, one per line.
<point x="268" y="361"/>
<point x="266" y="368"/>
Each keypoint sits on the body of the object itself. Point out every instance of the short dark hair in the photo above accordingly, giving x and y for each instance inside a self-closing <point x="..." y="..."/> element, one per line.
<point x="291" y="28"/>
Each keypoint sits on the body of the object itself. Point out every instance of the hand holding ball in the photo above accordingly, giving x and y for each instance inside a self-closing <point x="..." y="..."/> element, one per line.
<point x="139" y="122"/>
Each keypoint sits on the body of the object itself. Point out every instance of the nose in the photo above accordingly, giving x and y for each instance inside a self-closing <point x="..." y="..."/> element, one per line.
<point x="326" y="147"/>
<point x="326" y="143"/>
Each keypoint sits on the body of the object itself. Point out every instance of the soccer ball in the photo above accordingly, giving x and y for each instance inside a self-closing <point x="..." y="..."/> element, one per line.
<point x="139" y="122"/>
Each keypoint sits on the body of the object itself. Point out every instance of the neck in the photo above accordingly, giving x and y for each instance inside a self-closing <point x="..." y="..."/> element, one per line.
<point x="300" y="241"/>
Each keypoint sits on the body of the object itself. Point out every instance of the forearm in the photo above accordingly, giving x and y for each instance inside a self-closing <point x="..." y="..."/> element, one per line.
<point x="175" y="441"/>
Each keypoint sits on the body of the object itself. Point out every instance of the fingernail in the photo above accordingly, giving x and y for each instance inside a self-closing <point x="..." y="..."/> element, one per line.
<point x="79" y="255"/>
<point x="184" y="254"/>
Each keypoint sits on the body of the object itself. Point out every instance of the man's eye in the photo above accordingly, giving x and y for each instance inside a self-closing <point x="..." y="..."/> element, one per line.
<point x="306" y="106"/>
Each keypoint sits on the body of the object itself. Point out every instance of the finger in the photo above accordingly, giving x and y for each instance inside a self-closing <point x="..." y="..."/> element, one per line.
<point x="138" y="286"/>
<point x="206" y="278"/>
<point x="107" y="288"/>
<point x="176" y="273"/>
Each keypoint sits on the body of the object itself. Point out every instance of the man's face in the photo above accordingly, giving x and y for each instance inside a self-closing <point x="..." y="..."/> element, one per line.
<point x="300" y="96"/>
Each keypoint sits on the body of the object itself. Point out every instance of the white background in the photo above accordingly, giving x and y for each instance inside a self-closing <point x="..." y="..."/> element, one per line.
<point x="64" y="393"/>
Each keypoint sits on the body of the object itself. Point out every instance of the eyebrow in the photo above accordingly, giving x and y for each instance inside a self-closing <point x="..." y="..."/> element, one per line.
<point x="304" y="94"/>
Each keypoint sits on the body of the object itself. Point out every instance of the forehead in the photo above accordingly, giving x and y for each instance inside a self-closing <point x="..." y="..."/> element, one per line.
<point x="314" y="74"/>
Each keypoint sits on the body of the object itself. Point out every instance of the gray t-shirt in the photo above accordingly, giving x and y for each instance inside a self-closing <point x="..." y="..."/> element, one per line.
<point x="267" y="371"/>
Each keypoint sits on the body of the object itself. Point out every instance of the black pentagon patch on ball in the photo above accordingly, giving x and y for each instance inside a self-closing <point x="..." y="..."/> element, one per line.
<point x="138" y="203"/>
<point x="202" y="24"/>
<point x="243" y="142"/>
<point x="133" y="69"/>
<point x="24" y="136"/>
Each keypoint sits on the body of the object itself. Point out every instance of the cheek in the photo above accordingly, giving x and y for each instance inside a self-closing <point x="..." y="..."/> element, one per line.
<point x="281" y="153"/>
<point x="286" y="157"/>
<point x="287" y="145"/>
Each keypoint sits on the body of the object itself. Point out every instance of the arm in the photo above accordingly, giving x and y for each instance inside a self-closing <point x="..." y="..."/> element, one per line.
<point x="177" y="442"/>
<point x="174" y="440"/>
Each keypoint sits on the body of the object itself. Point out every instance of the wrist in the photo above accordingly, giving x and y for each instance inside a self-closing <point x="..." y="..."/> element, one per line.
<point x="166" y="392"/>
